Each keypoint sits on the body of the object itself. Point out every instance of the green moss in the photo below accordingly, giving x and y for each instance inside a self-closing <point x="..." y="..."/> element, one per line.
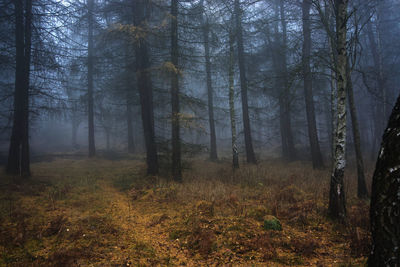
<point x="272" y="223"/>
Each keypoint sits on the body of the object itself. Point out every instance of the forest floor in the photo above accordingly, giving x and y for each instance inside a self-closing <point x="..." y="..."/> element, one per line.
<point x="101" y="212"/>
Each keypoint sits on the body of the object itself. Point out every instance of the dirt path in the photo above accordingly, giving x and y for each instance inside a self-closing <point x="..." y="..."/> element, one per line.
<point x="144" y="230"/>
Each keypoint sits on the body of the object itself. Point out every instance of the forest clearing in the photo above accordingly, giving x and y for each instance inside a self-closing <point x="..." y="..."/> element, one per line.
<point x="98" y="212"/>
<point x="200" y="133"/>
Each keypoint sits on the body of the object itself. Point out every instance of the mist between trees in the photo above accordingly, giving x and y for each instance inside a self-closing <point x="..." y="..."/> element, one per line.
<point x="167" y="81"/>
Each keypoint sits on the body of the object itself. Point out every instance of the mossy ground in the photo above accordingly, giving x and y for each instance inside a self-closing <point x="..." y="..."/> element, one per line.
<point x="108" y="213"/>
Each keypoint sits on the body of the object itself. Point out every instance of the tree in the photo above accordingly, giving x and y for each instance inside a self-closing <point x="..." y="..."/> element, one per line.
<point x="206" y="31"/>
<point x="362" y="191"/>
<point x="176" y="142"/>
<point x="337" y="200"/>
<point x="90" y="65"/>
<point x="385" y="197"/>
<point x="251" y="158"/>
<point x="235" y="154"/>
<point x="141" y="9"/>
<point x="308" y="93"/>
<point x="282" y="83"/>
<point x="129" y="68"/>
<point x="18" y="157"/>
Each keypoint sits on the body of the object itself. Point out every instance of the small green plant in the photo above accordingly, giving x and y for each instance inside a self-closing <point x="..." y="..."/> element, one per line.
<point x="272" y="223"/>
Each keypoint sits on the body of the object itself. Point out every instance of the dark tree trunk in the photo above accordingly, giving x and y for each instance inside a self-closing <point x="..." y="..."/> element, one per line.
<point x="213" y="141"/>
<point x="385" y="197"/>
<point x="362" y="191"/>
<point x="129" y="121"/>
<point x="18" y="158"/>
<point x="278" y="83"/>
<point x="235" y="153"/>
<point x="281" y="83"/>
<point x="141" y="8"/>
<point x="376" y="56"/>
<point x="107" y="132"/>
<point x="129" y="88"/>
<point x="251" y="158"/>
<point x="176" y="142"/>
<point x="285" y="94"/>
<point x="92" y="148"/>
<point x="311" y="121"/>
<point x="337" y="199"/>
<point x="75" y="125"/>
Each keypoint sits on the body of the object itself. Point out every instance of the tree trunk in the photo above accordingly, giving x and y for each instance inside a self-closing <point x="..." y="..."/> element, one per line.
<point x="337" y="200"/>
<point x="333" y="77"/>
<point x="377" y="58"/>
<point x="213" y="141"/>
<point x="235" y="154"/>
<point x="129" y="88"/>
<point x="145" y="88"/>
<point x="129" y="121"/>
<point x="18" y="158"/>
<point x="92" y="148"/>
<point x="243" y="84"/>
<point x="385" y="197"/>
<point x="362" y="191"/>
<point x="287" y="125"/>
<point x="176" y="142"/>
<point x="75" y="125"/>
<point x="282" y="85"/>
<point x="107" y="132"/>
<point x="311" y="121"/>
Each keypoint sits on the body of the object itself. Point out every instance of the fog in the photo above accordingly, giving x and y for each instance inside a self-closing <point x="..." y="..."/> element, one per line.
<point x="181" y="91"/>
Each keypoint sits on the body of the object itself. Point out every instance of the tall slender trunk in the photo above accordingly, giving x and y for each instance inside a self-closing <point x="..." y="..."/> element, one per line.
<point x="311" y="121"/>
<point x="282" y="83"/>
<point x="107" y="132"/>
<point x="278" y="83"/>
<point x="333" y="97"/>
<point x="129" y="70"/>
<point x="362" y="191"/>
<point x="337" y="200"/>
<point x="141" y="9"/>
<point x="18" y="157"/>
<point x="92" y="148"/>
<point x="251" y="158"/>
<point x="75" y="125"/>
<point x="235" y="153"/>
<point x="129" y="121"/>
<point x="333" y="77"/>
<point x="378" y="68"/>
<point x="176" y="142"/>
<point x="385" y="200"/>
<point x="287" y="125"/>
<point x="213" y="141"/>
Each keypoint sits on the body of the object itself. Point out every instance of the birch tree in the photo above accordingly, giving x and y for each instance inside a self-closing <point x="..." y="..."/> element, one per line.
<point x="337" y="200"/>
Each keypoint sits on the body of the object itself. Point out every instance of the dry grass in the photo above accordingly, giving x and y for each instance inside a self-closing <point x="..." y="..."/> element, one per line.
<point x="101" y="212"/>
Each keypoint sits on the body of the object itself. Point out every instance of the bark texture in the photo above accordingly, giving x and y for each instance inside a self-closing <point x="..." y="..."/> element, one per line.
<point x="385" y="197"/>
<point x="337" y="199"/>
<point x="235" y="153"/>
